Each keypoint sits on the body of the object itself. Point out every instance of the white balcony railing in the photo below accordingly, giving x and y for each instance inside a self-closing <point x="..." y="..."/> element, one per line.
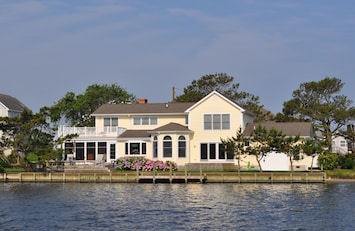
<point x="90" y="131"/>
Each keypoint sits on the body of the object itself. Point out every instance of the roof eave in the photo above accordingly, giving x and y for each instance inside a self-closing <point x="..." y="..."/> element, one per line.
<point x="170" y="132"/>
<point x="138" y="114"/>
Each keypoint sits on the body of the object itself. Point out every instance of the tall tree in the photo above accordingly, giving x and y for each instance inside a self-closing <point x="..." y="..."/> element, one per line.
<point x="27" y="133"/>
<point x="321" y="103"/>
<point x="223" y="83"/>
<point x="76" y="109"/>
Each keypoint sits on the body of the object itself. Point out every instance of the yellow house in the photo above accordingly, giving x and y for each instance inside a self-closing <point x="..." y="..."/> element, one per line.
<point x="181" y="132"/>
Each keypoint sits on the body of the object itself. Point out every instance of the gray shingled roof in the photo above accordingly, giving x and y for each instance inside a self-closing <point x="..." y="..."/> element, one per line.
<point x="135" y="134"/>
<point x="12" y="103"/>
<point x="304" y="129"/>
<point x="171" y="127"/>
<point x="149" y="108"/>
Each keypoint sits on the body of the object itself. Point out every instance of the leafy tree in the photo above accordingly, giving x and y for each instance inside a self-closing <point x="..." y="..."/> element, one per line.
<point x="223" y="83"/>
<point x="235" y="146"/>
<point x="259" y="144"/>
<point x="263" y="141"/>
<point x="321" y="103"/>
<point x="76" y="109"/>
<point x="25" y="134"/>
<point x="310" y="147"/>
<point x="291" y="147"/>
<point x="281" y="143"/>
<point x="276" y="139"/>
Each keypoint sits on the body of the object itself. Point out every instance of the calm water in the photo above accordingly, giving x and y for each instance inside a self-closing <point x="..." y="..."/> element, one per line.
<point x="177" y="206"/>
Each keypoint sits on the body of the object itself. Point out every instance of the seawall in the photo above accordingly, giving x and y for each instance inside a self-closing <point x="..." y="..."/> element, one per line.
<point x="166" y="177"/>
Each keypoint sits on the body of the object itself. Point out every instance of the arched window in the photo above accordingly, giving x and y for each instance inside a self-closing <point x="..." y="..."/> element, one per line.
<point x="167" y="147"/>
<point x="155" y="147"/>
<point x="182" y="147"/>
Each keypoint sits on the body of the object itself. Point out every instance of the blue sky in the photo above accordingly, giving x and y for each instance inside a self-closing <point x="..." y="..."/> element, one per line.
<point x="51" y="47"/>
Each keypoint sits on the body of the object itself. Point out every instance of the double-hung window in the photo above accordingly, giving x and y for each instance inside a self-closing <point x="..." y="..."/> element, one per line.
<point x="155" y="147"/>
<point x="182" y="147"/>
<point x="342" y="143"/>
<point x="110" y="124"/>
<point x="167" y="147"/>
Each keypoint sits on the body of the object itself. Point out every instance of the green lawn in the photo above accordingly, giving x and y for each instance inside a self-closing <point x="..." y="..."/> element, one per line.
<point x="14" y="170"/>
<point x="341" y="173"/>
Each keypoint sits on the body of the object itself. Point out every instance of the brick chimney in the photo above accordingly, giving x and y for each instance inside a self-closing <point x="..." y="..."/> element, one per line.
<point x="142" y="101"/>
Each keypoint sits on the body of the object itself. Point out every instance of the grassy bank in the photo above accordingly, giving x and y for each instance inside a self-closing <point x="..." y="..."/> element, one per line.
<point x="341" y="173"/>
<point x="335" y="174"/>
<point x="14" y="170"/>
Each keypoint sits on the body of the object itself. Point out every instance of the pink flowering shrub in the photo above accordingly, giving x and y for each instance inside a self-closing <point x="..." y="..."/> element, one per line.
<point x="144" y="164"/>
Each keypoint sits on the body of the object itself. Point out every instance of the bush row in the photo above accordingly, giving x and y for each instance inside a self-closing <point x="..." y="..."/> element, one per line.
<point x="144" y="164"/>
<point x="330" y="161"/>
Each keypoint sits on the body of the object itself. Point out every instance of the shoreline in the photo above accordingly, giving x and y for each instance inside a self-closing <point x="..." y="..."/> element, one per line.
<point x="166" y="177"/>
<point x="340" y="180"/>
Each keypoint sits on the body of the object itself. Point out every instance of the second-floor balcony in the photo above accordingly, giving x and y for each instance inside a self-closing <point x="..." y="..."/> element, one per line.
<point x="90" y="131"/>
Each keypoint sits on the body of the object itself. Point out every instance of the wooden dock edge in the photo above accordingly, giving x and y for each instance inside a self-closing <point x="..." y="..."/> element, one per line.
<point x="175" y="177"/>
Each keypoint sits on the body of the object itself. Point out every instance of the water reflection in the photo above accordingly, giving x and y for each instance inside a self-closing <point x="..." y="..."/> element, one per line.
<point x="177" y="206"/>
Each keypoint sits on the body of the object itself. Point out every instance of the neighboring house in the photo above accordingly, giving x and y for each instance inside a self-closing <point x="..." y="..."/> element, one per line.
<point x="340" y="145"/>
<point x="10" y="106"/>
<point x="180" y="132"/>
<point x="280" y="161"/>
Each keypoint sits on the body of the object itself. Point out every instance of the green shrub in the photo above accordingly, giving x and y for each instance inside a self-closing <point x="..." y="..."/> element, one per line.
<point x="347" y="161"/>
<point x="329" y="161"/>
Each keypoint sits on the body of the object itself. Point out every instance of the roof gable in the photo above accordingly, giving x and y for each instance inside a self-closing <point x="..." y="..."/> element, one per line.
<point x="172" y="127"/>
<point x="215" y="93"/>
<point x="11" y="103"/>
<point x="303" y="129"/>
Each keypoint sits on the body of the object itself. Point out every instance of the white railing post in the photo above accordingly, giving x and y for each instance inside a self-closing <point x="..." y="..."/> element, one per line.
<point x="90" y="131"/>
